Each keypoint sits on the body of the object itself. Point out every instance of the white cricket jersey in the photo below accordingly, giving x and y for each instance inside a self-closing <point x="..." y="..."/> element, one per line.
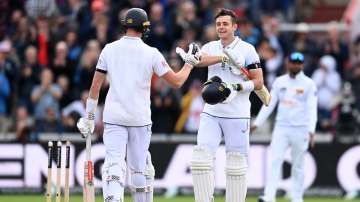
<point x="239" y="107"/>
<point x="130" y="64"/>
<point x="297" y="99"/>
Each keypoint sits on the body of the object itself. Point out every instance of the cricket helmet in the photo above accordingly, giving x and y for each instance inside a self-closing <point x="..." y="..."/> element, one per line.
<point x="136" y="18"/>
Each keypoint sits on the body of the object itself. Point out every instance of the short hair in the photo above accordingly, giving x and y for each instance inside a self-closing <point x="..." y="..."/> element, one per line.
<point x="227" y="12"/>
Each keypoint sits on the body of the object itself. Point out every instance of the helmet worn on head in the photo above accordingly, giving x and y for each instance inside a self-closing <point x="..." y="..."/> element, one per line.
<point x="136" y="18"/>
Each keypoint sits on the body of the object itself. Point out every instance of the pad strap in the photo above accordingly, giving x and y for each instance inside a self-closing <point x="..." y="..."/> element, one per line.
<point x="145" y="189"/>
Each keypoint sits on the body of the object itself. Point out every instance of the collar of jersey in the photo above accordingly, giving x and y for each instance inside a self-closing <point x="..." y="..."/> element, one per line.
<point x="298" y="76"/>
<point x="233" y="43"/>
<point x="131" y="37"/>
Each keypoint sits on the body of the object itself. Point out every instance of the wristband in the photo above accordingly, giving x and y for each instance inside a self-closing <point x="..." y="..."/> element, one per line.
<point x="91" y="105"/>
<point x="248" y="86"/>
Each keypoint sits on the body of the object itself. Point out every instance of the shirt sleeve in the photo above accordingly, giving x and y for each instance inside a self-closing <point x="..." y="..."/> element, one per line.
<point x="102" y="64"/>
<point x="312" y="107"/>
<point x="265" y="111"/>
<point x="205" y="48"/>
<point x="252" y="57"/>
<point x="160" y="66"/>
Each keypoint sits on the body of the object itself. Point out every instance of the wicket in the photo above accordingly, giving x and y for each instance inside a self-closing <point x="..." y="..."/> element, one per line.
<point x="58" y="172"/>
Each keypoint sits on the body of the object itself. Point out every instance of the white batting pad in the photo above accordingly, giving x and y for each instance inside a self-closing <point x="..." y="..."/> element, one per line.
<point x="150" y="175"/>
<point x="143" y="193"/>
<point x="113" y="179"/>
<point x="203" y="176"/>
<point x="236" y="166"/>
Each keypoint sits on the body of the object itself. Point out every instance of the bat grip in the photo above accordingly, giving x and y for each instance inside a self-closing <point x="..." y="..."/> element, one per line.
<point x="88" y="147"/>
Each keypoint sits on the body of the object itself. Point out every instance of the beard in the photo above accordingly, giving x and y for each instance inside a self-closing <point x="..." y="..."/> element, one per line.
<point x="294" y="72"/>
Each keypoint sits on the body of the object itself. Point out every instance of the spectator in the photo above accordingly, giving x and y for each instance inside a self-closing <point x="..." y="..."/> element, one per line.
<point x="29" y="77"/>
<point x="347" y="120"/>
<point x="101" y="30"/>
<point x="335" y="47"/>
<point x="68" y="94"/>
<point x="60" y="64"/>
<point x="354" y="78"/>
<point x="75" y="110"/>
<point x="209" y="34"/>
<point x="192" y="105"/>
<point x="36" y="8"/>
<point x="4" y="94"/>
<point x="45" y="98"/>
<point x="24" y="125"/>
<point x="158" y="36"/>
<point x="164" y="108"/>
<point x="43" y="40"/>
<point x="78" y="14"/>
<point x="74" y="48"/>
<point x="271" y="59"/>
<point x="305" y="44"/>
<point x="186" y="19"/>
<point x="87" y="64"/>
<point x="248" y="32"/>
<point x="328" y="82"/>
<point x="8" y="66"/>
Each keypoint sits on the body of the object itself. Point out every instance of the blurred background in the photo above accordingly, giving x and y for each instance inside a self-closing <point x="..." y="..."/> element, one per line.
<point x="48" y="54"/>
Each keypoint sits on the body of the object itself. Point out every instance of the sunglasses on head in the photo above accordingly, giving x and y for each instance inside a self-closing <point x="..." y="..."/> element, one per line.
<point x="296" y="57"/>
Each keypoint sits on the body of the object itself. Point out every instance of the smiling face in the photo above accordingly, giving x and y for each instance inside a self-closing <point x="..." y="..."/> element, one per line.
<point x="225" y="27"/>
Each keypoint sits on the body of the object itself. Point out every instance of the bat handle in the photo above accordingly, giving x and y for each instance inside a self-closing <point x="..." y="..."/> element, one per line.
<point x="88" y="147"/>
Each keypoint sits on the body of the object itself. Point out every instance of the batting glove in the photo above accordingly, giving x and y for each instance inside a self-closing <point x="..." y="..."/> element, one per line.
<point x="192" y="57"/>
<point x="86" y="125"/>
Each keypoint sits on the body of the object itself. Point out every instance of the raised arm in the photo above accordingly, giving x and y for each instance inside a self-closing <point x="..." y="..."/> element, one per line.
<point x="176" y="80"/>
<point x="207" y="60"/>
<point x="191" y="58"/>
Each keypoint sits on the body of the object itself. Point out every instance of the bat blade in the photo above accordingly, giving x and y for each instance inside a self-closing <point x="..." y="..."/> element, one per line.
<point x="88" y="189"/>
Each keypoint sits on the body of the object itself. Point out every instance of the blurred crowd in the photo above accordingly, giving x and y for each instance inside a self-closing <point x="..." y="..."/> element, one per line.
<point x="49" y="50"/>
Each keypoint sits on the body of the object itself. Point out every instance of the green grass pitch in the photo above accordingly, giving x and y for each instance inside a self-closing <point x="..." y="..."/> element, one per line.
<point x="78" y="198"/>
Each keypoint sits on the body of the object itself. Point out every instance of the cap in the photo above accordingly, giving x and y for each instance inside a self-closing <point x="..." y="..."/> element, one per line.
<point x="296" y="57"/>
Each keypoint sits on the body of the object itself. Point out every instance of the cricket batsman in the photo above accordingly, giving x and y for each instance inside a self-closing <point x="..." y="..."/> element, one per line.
<point x="226" y="112"/>
<point x="129" y="65"/>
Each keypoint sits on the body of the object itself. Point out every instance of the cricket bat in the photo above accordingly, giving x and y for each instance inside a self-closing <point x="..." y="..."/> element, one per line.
<point x="88" y="189"/>
<point x="263" y="93"/>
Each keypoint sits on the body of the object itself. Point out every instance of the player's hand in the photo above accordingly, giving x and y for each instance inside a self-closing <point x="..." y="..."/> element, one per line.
<point x="86" y="126"/>
<point x="312" y="140"/>
<point x="193" y="55"/>
<point x="233" y="92"/>
<point x="252" y="128"/>
<point x="235" y="63"/>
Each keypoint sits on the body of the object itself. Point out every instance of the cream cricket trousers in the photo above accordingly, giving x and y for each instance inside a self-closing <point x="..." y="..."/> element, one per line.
<point x="297" y="139"/>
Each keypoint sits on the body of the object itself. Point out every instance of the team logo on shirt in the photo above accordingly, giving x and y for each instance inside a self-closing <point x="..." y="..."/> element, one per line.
<point x="299" y="91"/>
